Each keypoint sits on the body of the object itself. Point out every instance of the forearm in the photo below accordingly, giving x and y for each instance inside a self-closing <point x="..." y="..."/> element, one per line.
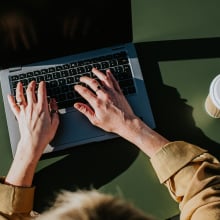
<point x="23" y="167"/>
<point x="146" y="139"/>
<point x="20" y="174"/>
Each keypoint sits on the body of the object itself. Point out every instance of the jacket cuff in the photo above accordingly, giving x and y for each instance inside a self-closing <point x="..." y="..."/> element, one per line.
<point x="15" y="199"/>
<point x="172" y="157"/>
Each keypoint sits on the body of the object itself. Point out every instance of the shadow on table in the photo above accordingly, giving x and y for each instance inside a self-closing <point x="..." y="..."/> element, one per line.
<point x="92" y="165"/>
<point x="173" y="116"/>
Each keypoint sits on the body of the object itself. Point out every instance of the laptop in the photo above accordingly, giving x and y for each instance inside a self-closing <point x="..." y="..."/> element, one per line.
<point x="60" y="62"/>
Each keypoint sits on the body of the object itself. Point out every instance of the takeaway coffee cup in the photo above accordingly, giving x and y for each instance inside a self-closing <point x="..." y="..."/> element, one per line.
<point x="212" y="103"/>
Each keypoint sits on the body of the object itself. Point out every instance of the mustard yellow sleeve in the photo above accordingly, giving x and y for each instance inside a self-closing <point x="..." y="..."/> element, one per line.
<point x="192" y="177"/>
<point x="15" y="201"/>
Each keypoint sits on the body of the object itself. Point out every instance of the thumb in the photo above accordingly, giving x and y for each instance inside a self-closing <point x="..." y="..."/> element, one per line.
<point x="85" y="110"/>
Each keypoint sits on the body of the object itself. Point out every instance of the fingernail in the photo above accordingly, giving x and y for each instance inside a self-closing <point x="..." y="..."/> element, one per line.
<point x="76" y="105"/>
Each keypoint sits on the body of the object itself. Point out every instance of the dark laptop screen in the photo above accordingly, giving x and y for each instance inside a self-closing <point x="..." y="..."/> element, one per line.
<point x="35" y="30"/>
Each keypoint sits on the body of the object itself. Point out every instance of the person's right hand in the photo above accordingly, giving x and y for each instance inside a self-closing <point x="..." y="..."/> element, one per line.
<point x="109" y="110"/>
<point x="108" y="107"/>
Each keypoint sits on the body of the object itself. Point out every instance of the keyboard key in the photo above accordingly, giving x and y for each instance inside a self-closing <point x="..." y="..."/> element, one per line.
<point x="88" y="68"/>
<point x="59" y="68"/>
<point x="72" y="72"/>
<point x="80" y="70"/>
<point x="22" y="76"/>
<point x="30" y="74"/>
<point x="56" y="75"/>
<point x="51" y="69"/>
<point x="64" y="73"/>
<point x="97" y="65"/>
<point x="37" y="73"/>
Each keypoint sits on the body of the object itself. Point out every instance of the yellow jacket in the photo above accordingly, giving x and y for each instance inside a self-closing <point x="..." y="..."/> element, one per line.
<point x="191" y="175"/>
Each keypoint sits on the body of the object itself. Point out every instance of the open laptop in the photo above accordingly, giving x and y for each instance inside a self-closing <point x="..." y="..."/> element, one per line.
<point x="60" y="62"/>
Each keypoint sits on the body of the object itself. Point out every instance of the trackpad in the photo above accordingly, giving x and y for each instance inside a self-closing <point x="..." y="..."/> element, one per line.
<point x="75" y="127"/>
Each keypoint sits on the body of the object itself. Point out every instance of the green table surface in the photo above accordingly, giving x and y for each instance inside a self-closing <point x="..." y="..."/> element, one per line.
<point x="177" y="43"/>
<point x="171" y="20"/>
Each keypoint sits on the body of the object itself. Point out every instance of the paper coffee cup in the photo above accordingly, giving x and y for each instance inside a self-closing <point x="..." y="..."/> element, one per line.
<point x="212" y="103"/>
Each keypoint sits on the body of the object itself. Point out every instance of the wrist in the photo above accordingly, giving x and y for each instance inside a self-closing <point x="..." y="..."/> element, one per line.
<point x="129" y="127"/>
<point x="28" y="152"/>
<point x="23" y="166"/>
<point x="141" y="135"/>
<point x="21" y="172"/>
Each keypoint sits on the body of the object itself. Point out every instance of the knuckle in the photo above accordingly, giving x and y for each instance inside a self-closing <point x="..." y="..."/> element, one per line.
<point x="40" y="108"/>
<point x="57" y="120"/>
<point x="29" y="88"/>
<point x="83" y="78"/>
<point x="105" y="78"/>
<point x="80" y="88"/>
<point x="83" y="89"/>
<point x="93" y="82"/>
<point x="98" y="103"/>
<point x="18" y="94"/>
<point x="95" y="122"/>
<point x="106" y="97"/>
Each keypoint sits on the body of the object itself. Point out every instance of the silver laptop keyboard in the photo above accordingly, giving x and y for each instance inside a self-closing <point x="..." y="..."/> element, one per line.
<point x="61" y="79"/>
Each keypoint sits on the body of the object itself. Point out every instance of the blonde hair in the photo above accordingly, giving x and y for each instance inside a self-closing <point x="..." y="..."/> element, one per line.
<point x="91" y="205"/>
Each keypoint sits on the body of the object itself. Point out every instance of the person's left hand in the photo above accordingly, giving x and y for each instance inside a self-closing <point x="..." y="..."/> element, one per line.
<point x="37" y="120"/>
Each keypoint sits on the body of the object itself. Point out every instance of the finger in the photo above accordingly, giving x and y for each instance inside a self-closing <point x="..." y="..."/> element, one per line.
<point x="14" y="107"/>
<point x="92" y="83"/>
<point x="42" y="94"/>
<point x="30" y="92"/>
<point x="20" y="94"/>
<point x="88" y="95"/>
<point x="85" y="110"/>
<point x="102" y="77"/>
<point x="114" y="81"/>
<point x="55" y="115"/>
<point x="53" y="104"/>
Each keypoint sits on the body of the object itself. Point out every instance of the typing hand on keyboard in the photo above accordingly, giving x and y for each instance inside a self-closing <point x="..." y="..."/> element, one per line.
<point x="107" y="106"/>
<point x="36" y="117"/>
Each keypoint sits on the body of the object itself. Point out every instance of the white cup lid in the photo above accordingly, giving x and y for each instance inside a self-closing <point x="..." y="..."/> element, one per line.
<point x="214" y="91"/>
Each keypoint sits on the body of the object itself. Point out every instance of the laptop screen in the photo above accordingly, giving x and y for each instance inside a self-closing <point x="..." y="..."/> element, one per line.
<point x="35" y="30"/>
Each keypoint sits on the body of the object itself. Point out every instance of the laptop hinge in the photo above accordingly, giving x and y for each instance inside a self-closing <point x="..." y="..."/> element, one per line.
<point x="15" y="69"/>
